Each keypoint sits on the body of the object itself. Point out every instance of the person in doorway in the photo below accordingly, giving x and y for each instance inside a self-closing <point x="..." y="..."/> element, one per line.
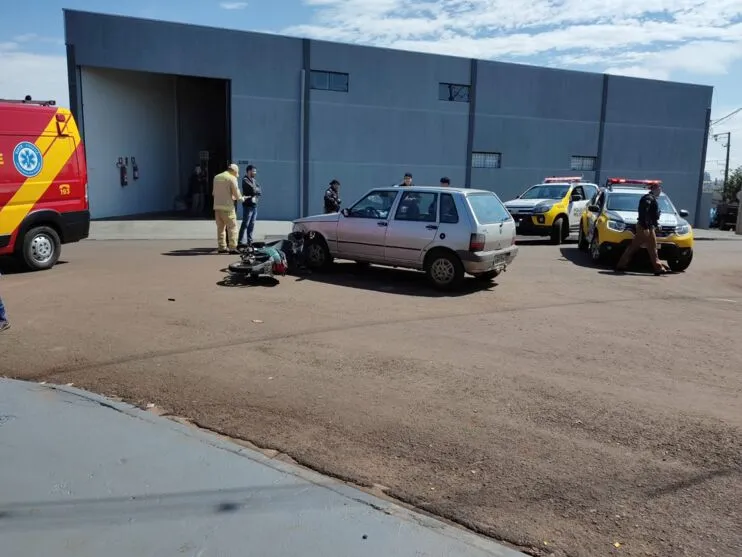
<point x="4" y="323"/>
<point x="196" y="190"/>
<point x="645" y="237"/>
<point x="332" y="197"/>
<point x="445" y="182"/>
<point x="251" y="192"/>
<point x="406" y="181"/>
<point x="226" y="192"/>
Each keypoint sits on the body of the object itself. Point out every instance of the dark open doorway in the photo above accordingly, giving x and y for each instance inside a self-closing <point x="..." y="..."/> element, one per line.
<point x="204" y="132"/>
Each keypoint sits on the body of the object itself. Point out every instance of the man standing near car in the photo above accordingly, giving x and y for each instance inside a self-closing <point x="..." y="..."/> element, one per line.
<point x="645" y="237"/>
<point x="332" y="198"/>
<point x="226" y="192"/>
<point x="252" y="192"/>
<point x="406" y="181"/>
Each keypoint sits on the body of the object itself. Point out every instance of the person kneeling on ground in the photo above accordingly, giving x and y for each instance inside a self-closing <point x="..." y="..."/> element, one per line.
<point x="225" y="194"/>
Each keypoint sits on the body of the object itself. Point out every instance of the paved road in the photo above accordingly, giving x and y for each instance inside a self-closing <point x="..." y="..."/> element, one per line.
<point x="88" y="477"/>
<point x="564" y="410"/>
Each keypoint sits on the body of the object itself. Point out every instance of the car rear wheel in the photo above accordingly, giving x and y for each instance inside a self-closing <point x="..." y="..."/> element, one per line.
<point x="680" y="264"/>
<point x="444" y="270"/>
<point x="41" y="248"/>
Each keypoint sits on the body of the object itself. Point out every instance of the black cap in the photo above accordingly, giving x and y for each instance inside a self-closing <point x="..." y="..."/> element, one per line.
<point x="334" y="183"/>
<point x="407" y="175"/>
<point x="249" y="167"/>
<point x="445" y="180"/>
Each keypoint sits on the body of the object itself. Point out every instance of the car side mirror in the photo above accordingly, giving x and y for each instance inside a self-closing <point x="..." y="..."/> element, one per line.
<point x="345" y="212"/>
<point x="683" y="213"/>
<point x="593" y="208"/>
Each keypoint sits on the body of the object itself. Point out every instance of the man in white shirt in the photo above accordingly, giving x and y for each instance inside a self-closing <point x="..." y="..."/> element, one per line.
<point x="225" y="194"/>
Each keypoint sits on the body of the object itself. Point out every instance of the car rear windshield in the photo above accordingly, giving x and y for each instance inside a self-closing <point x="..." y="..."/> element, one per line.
<point x="630" y="202"/>
<point x="487" y="208"/>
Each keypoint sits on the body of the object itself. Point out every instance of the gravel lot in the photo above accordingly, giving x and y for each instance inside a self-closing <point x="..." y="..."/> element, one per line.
<point x="564" y="410"/>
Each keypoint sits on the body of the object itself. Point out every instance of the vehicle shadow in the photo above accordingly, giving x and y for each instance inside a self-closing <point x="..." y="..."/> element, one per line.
<point x="639" y="266"/>
<point x="390" y="281"/>
<point x="527" y="241"/>
<point x="12" y="266"/>
<point x="191" y="252"/>
<point x="233" y="280"/>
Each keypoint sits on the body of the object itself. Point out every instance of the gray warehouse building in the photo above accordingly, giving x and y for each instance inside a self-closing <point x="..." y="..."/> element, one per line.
<point x="307" y="111"/>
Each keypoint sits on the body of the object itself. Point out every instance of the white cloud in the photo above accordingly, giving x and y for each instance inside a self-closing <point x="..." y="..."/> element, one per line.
<point x="22" y="73"/>
<point x="233" y="5"/>
<point x="647" y="38"/>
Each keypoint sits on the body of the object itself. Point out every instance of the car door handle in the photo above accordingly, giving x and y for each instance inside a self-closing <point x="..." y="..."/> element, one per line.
<point x="431" y="227"/>
<point x="381" y="223"/>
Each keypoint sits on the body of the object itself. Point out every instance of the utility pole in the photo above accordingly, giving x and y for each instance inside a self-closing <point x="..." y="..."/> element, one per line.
<point x="728" y="146"/>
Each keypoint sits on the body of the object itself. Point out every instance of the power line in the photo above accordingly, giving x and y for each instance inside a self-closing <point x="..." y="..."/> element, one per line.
<point x="726" y="117"/>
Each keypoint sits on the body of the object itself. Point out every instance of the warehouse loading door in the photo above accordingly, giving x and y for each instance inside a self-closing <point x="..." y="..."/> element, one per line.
<point x="203" y="107"/>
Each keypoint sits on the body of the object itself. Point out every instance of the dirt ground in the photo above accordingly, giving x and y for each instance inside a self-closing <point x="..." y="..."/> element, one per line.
<point x="564" y="410"/>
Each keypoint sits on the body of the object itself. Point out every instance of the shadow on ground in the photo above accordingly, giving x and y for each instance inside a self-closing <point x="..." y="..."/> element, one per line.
<point x="390" y="280"/>
<point x="233" y="280"/>
<point x="190" y="252"/>
<point x="639" y="266"/>
<point x="13" y="266"/>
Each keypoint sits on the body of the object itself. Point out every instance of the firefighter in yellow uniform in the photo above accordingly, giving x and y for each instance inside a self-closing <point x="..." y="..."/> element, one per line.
<point x="226" y="192"/>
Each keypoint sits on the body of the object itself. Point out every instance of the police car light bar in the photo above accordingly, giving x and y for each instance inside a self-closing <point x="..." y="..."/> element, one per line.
<point x="562" y="179"/>
<point x="636" y="182"/>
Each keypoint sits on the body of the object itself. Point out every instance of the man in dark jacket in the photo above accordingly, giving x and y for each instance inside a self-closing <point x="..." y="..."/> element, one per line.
<point x="252" y="192"/>
<point x="645" y="237"/>
<point x="332" y="197"/>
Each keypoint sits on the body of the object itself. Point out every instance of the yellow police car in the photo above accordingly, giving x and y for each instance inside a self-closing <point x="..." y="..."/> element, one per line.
<point x="552" y="208"/>
<point x="608" y="224"/>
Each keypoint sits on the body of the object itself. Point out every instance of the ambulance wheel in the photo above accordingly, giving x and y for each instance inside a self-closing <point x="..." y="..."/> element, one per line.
<point x="41" y="248"/>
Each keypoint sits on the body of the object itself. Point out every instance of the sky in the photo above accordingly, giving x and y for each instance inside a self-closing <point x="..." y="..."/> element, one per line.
<point x="693" y="41"/>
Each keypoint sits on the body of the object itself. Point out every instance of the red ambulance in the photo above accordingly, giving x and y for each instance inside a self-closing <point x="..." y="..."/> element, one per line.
<point x="43" y="182"/>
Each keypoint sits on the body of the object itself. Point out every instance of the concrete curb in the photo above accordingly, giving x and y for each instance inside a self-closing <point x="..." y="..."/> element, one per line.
<point x="345" y="490"/>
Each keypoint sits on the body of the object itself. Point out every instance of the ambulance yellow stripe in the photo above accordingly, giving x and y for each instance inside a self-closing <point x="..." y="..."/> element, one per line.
<point x="56" y="151"/>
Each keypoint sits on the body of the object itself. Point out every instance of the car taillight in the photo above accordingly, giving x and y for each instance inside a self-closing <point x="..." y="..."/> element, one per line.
<point x="476" y="242"/>
<point x="86" y="193"/>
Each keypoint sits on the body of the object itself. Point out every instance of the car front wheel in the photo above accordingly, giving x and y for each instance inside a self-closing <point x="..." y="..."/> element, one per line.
<point x="680" y="264"/>
<point x="581" y="240"/>
<point x="595" y="254"/>
<point x="318" y="254"/>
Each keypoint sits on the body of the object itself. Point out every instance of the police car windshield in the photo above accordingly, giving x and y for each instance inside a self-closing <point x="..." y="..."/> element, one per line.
<point x="546" y="191"/>
<point x="630" y="202"/>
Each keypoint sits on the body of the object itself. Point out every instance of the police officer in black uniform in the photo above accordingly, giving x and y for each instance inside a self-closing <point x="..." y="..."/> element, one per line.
<point x="332" y="197"/>
<point x="645" y="237"/>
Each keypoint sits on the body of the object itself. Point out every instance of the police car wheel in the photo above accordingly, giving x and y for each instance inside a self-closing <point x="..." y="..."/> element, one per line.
<point x="557" y="231"/>
<point x="41" y="248"/>
<point x="680" y="264"/>
<point x="581" y="240"/>
<point x="595" y="254"/>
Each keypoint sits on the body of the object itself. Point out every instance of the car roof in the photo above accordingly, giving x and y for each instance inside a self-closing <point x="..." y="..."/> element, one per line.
<point x="434" y="189"/>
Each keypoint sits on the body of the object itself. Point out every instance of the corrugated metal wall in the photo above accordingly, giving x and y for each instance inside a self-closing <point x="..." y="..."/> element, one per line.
<point x="391" y="120"/>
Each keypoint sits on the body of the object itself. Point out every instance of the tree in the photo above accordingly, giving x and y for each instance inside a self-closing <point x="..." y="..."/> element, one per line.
<point x="733" y="185"/>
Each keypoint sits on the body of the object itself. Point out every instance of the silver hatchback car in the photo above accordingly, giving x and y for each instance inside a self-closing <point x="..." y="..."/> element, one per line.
<point x="445" y="232"/>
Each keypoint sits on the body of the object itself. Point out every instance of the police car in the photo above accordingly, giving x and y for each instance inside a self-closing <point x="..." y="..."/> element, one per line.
<point x="552" y="208"/>
<point x="608" y="224"/>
